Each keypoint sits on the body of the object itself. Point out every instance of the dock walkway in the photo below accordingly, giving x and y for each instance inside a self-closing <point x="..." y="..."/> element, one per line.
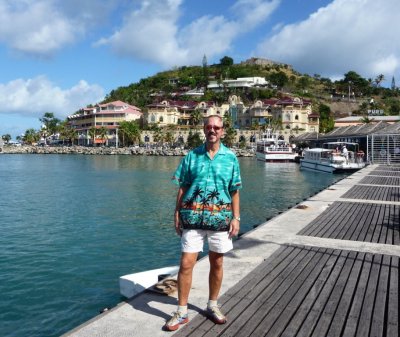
<point x="327" y="267"/>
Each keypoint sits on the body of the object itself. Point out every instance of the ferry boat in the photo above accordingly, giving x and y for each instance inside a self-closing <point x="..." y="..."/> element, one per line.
<point x="333" y="157"/>
<point x="272" y="149"/>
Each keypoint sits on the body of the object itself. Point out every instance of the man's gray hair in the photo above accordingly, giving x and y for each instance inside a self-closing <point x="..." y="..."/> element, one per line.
<point x="213" y="116"/>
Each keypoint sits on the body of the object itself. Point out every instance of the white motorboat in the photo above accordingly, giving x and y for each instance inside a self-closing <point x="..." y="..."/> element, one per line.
<point x="334" y="157"/>
<point x="133" y="284"/>
<point x="272" y="149"/>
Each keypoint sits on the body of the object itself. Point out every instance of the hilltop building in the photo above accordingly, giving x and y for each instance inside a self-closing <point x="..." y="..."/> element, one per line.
<point x="264" y="62"/>
<point x="107" y="115"/>
<point x="239" y="83"/>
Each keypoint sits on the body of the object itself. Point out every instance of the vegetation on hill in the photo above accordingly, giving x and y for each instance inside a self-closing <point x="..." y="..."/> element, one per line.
<point x="352" y="95"/>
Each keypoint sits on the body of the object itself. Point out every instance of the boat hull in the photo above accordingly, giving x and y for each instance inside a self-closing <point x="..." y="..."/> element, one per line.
<point x="275" y="157"/>
<point x="328" y="167"/>
<point x="133" y="284"/>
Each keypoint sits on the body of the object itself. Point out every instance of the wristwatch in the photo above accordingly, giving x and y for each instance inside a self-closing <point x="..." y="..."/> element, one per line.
<point x="236" y="218"/>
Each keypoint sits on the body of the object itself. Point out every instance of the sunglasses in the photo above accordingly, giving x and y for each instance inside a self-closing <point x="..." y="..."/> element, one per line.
<point x="216" y="128"/>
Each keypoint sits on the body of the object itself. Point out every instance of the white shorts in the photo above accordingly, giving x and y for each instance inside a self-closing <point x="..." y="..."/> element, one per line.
<point x="192" y="241"/>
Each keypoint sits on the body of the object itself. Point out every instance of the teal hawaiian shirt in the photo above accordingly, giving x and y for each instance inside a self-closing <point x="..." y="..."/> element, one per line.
<point x="207" y="201"/>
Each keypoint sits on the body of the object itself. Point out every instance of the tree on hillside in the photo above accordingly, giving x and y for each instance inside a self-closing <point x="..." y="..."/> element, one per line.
<point x="226" y="61"/>
<point x="326" y="120"/>
<point x="279" y="79"/>
<point x="6" y="137"/>
<point x="379" y="79"/>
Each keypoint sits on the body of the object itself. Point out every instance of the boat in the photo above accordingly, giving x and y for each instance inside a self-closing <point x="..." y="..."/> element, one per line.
<point x="333" y="157"/>
<point x="133" y="284"/>
<point x="272" y="149"/>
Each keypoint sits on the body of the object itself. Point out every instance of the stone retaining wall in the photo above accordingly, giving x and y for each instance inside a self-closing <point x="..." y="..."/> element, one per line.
<point x="26" y="149"/>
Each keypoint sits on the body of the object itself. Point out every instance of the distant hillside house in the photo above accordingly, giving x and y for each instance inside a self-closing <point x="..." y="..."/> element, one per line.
<point x="107" y="115"/>
<point x="239" y="83"/>
<point x="176" y="112"/>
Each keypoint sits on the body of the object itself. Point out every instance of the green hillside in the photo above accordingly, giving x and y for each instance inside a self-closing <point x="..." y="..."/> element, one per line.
<point x="350" y="95"/>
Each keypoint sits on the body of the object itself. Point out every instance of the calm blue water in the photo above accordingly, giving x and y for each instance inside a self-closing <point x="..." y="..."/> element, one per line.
<point x="70" y="225"/>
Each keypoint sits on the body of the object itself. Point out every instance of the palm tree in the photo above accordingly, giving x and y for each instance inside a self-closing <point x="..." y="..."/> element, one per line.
<point x="366" y="120"/>
<point x="31" y="136"/>
<point x="130" y="132"/>
<point x="92" y="134"/>
<point x="196" y="117"/>
<point x="379" y="79"/>
<point x="103" y="132"/>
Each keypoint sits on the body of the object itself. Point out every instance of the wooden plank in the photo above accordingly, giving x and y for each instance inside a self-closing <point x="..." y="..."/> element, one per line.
<point x="367" y="231"/>
<point x="316" y="301"/>
<point x="272" y="311"/>
<point x="377" y="225"/>
<point x="330" y="308"/>
<point x="358" y="298"/>
<point x="365" y="321"/>
<point x="378" y="328"/>
<point x="393" y="326"/>
<point x="314" y="227"/>
<point x="200" y="325"/>
<point x="345" y="220"/>
<point x="307" y="307"/>
<point x="350" y="222"/>
<point x="395" y="220"/>
<point x="256" y="312"/>
<point x="355" y="235"/>
<point x="341" y="314"/>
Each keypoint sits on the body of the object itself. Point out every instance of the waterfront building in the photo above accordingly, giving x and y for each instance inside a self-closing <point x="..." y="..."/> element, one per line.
<point x="108" y="116"/>
<point x="296" y="115"/>
<point x="177" y="112"/>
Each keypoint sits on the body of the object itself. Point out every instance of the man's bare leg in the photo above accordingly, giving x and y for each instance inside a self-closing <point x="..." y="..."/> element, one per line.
<point x="188" y="261"/>
<point x="216" y="274"/>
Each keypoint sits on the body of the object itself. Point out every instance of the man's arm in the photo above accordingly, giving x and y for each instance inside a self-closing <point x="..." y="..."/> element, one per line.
<point x="179" y="197"/>
<point x="235" y="224"/>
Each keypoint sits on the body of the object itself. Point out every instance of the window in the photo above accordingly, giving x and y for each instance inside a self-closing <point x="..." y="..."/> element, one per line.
<point x="296" y="117"/>
<point x="161" y="119"/>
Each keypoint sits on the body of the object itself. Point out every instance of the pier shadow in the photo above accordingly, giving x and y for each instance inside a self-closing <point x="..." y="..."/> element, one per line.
<point x="148" y="300"/>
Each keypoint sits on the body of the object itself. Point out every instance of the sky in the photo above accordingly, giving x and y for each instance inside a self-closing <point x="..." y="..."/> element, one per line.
<point x="61" y="55"/>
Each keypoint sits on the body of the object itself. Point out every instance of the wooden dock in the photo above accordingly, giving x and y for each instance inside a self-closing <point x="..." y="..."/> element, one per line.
<point x="315" y="291"/>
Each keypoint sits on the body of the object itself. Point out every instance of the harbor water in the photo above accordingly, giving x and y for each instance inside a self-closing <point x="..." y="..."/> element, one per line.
<point x="72" y="224"/>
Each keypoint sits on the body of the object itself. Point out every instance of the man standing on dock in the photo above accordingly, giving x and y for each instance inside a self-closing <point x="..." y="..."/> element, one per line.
<point x="207" y="206"/>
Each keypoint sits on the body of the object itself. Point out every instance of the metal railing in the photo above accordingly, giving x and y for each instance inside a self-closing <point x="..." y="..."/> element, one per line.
<point x="383" y="149"/>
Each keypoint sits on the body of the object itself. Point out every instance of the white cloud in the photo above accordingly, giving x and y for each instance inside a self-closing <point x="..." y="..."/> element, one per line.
<point x="35" y="27"/>
<point x="33" y="97"/>
<point x="359" y="35"/>
<point x="153" y="33"/>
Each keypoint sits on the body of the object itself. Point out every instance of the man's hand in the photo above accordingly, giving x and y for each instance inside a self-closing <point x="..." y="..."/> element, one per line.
<point x="234" y="228"/>
<point x="177" y="223"/>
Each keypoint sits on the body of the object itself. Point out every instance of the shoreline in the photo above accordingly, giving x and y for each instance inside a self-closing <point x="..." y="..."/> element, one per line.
<point x="156" y="151"/>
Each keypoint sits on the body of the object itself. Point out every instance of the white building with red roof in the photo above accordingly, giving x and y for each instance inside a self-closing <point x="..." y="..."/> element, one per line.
<point x="107" y="115"/>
